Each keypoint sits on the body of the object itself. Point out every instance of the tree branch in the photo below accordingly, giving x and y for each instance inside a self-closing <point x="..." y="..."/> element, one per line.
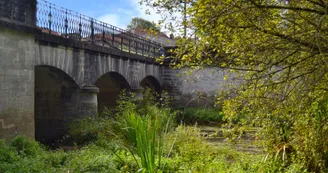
<point x="290" y="39"/>
<point x="322" y="4"/>
<point x="287" y="8"/>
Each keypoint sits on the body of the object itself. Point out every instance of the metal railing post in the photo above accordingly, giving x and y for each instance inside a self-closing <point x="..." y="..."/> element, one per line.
<point x="104" y="36"/>
<point x="80" y="27"/>
<point x="113" y="35"/>
<point x="50" y="18"/>
<point x="66" y="25"/>
<point x="121" y="40"/>
<point x="92" y="31"/>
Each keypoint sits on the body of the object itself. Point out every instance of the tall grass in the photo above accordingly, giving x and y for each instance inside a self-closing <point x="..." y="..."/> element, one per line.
<point x="146" y="133"/>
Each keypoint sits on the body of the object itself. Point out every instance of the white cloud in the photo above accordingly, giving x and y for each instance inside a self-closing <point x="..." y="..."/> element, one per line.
<point x="141" y="11"/>
<point x="113" y="19"/>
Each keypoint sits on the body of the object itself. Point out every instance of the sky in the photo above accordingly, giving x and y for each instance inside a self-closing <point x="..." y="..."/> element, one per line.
<point x="115" y="12"/>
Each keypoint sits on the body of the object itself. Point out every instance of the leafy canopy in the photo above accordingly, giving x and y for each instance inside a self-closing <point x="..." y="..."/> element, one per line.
<point x="142" y="24"/>
<point x="279" y="49"/>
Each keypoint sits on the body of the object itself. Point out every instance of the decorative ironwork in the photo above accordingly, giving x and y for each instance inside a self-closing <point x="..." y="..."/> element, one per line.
<point x="60" y="21"/>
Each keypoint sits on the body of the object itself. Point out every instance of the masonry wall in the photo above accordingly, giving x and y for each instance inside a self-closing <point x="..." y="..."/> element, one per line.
<point x="17" y="52"/>
<point x="198" y="88"/>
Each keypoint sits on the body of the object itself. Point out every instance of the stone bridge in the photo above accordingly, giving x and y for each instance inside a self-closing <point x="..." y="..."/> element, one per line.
<point x="57" y="66"/>
<point x="50" y="78"/>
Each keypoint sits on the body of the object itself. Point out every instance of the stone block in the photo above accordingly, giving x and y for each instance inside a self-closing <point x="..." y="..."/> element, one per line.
<point x="10" y="43"/>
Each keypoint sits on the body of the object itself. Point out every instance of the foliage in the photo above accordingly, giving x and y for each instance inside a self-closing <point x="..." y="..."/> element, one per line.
<point x="186" y="151"/>
<point x="26" y="147"/>
<point x="279" y="49"/>
<point x="175" y="17"/>
<point x="88" y="130"/>
<point x="142" y="24"/>
<point x="7" y="154"/>
<point x="136" y="125"/>
<point x="144" y="133"/>
<point x="200" y="116"/>
<point x="144" y="141"/>
<point x="191" y="153"/>
<point x="144" y="126"/>
<point x="91" y="158"/>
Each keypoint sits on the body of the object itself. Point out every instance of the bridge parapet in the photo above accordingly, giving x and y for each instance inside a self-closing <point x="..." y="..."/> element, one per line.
<point x="59" y="21"/>
<point x="66" y="23"/>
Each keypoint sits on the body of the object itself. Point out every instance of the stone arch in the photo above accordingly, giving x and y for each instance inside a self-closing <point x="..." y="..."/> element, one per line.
<point x="110" y="86"/>
<point x="151" y="82"/>
<point x="64" y="58"/>
<point x="56" y="103"/>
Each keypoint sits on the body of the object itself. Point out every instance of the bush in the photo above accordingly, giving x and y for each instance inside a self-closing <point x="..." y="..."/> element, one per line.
<point x="89" y="130"/>
<point x="26" y="147"/>
<point x="26" y="155"/>
<point x="294" y="132"/>
<point x="7" y="154"/>
<point x="200" y="115"/>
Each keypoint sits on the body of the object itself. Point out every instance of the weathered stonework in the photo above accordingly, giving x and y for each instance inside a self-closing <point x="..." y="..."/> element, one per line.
<point x="197" y="87"/>
<point x="88" y="101"/>
<point x="17" y="52"/>
<point x="86" y="67"/>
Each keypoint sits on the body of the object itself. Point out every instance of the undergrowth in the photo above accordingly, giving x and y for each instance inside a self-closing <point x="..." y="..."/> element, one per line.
<point x="200" y="115"/>
<point x="138" y="137"/>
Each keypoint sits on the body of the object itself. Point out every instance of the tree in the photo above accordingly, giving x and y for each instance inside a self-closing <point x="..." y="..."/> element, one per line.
<point x="140" y="23"/>
<point x="279" y="48"/>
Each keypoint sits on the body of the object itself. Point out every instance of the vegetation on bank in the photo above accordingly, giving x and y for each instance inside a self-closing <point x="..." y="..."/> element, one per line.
<point x="200" y="116"/>
<point x="139" y="137"/>
<point x="185" y="151"/>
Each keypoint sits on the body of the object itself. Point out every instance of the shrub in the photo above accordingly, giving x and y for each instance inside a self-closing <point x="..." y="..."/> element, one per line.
<point x="293" y="132"/>
<point x="7" y="154"/>
<point x="200" y="115"/>
<point x="26" y="146"/>
<point x="89" y="130"/>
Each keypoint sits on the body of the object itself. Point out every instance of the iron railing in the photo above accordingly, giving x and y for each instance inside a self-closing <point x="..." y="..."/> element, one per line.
<point x="66" y="23"/>
<point x="60" y="21"/>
